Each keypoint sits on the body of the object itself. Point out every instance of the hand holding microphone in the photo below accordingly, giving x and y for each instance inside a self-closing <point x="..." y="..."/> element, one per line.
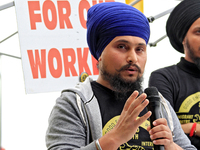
<point x="160" y="132"/>
<point x="154" y="107"/>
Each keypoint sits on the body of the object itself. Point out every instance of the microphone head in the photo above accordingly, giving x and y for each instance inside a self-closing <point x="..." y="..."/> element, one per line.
<point x="151" y="91"/>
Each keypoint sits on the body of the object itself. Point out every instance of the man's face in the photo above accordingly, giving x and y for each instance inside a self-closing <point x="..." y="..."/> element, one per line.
<point x="124" y="57"/>
<point x="191" y="42"/>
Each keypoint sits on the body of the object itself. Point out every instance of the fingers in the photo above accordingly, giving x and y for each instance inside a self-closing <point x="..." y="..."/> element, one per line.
<point x="148" y="128"/>
<point x="161" y="134"/>
<point x="133" y="102"/>
<point x="128" y="123"/>
<point x="130" y="100"/>
<point x="160" y="121"/>
<point x="135" y="108"/>
<point x="143" y="118"/>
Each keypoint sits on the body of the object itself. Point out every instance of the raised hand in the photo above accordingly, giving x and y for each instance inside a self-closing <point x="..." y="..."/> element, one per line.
<point x="128" y="123"/>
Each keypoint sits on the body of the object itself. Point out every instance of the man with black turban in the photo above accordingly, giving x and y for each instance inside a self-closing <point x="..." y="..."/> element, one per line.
<point x="110" y="113"/>
<point x="180" y="83"/>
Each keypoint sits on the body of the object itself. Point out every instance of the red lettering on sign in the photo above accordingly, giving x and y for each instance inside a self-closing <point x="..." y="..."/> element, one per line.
<point x="49" y="14"/>
<point x="32" y="6"/>
<point x="94" y="2"/>
<point x="48" y="6"/>
<point x="39" y="63"/>
<point x="64" y="17"/>
<point x="109" y="0"/>
<point x="83" y="6"/>
<point x="82" y="60"/>
<point x="53" y="55"/>
<point x="58" y="63"/>
<point x="69" y="63"/>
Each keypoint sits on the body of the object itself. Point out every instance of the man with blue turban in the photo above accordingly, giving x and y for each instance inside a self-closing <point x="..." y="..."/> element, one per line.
<point x="110" y="113"/>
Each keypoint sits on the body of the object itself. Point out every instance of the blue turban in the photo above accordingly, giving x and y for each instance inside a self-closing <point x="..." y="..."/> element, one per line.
<point x="107" y="20"/>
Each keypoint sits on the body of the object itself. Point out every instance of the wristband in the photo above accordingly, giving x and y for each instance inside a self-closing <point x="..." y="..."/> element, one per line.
<point x="193" y="129"/>
<point x="98" y="145"/>
<point x="195" y="132"/>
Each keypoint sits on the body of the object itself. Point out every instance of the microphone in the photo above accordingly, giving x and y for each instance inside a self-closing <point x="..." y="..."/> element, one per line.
<point x="154" y="107"/>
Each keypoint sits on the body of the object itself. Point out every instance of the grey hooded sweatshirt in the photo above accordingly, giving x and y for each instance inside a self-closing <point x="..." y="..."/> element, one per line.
<point x="75" y="121"/>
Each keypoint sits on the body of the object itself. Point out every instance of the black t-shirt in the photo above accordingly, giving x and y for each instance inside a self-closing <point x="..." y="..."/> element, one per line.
<point x="180" y="85"/>
<point x="111" y="109"/>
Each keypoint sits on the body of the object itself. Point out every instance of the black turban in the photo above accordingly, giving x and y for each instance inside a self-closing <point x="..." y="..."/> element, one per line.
<point x="180" y="20"/>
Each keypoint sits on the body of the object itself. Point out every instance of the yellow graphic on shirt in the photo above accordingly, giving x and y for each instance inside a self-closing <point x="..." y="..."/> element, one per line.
<point x="189" y="102"/>
<point x="186" y="106"/>
<point x="111" y="124"/>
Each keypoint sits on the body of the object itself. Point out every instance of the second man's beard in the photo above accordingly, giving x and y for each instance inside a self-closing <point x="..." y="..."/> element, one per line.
<point x="195" y="59"/>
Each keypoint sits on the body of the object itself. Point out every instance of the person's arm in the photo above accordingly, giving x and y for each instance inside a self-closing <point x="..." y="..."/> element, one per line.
<point x="179" y="137"/>
<point x="127" y="124"/>
<point x="187" y="128"/>
<point x="67" y="130"/>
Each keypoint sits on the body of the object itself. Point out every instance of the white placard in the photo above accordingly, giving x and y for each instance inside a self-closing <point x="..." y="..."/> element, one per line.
<point x="53" y="45"/>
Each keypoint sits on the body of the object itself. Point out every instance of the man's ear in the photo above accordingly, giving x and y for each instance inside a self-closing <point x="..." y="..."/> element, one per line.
<point x="183" y="42"/>
<point x="99" y="59"/>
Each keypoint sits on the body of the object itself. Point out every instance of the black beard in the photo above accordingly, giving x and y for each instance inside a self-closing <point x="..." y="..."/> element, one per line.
<point x="123" y="89"/>
<point x="195" y="59"/>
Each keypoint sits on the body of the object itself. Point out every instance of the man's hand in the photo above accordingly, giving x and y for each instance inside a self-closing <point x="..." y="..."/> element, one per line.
<point x="127" y="124"/>
<point x="161" y="135"/>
